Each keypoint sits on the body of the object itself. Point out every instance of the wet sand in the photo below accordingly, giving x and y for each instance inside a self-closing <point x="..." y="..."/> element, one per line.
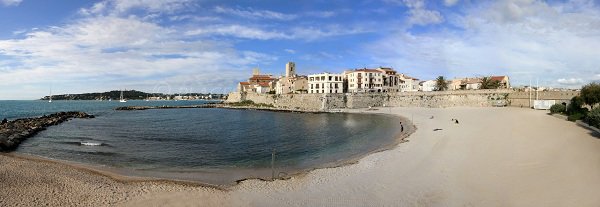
<point x="494" y="157"/>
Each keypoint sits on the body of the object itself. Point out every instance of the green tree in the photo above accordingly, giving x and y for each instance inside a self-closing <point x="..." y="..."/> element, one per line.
<point x="575" y="106"/>
<point x="440" y="84"/>
<point x="590" y="94"/>
<point x="487" y="83"/>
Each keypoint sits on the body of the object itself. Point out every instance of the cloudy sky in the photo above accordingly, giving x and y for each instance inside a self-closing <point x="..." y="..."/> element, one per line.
<point x="179" y="46"/>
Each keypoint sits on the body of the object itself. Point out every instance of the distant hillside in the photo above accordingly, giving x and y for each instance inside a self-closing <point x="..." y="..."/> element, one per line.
<point x="132" y="95"/>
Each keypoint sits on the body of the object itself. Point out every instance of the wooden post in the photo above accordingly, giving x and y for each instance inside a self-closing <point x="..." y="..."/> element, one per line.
<point x="273" y="165"/>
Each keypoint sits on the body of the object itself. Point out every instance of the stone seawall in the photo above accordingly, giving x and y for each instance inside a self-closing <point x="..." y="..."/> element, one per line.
<point x="325" y="102"/>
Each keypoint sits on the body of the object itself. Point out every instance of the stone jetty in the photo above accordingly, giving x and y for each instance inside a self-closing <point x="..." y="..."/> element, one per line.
<point x="133" y="108"/>
<point x="12" y="133"/>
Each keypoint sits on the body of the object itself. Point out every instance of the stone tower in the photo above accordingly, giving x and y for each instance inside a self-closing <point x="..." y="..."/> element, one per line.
<point x="255" y="71"/>
<point x="290" y="69"/>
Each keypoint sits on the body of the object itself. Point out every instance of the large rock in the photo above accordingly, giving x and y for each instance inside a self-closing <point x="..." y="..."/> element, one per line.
<point x="12" y="133"/>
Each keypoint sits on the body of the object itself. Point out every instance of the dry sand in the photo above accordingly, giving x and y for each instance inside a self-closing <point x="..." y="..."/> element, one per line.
<point x="494" y="157"/>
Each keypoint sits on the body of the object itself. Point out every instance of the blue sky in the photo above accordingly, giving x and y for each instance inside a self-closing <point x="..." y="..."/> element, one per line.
<point x="178" y="46"/>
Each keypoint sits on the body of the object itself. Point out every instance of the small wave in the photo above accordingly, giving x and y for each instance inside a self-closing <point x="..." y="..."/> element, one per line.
<point x="91" y="143"/>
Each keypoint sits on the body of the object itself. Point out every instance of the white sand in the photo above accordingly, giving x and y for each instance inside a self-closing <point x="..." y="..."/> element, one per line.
<point x="494" y="157"/>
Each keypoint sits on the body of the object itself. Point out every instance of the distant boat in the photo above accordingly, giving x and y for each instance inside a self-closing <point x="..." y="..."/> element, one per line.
<point x="121" y="99"/>
<point x="50" y="100"/>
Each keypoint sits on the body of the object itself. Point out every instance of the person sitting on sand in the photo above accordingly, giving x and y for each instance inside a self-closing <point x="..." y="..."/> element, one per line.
<point x="456" y="121"/>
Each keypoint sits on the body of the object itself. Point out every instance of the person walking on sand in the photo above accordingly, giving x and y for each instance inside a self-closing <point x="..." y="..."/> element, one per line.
<point x="401" y="127"/>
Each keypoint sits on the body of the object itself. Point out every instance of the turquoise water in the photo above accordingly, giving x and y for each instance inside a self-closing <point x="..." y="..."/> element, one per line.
<point x="210" y="145"/>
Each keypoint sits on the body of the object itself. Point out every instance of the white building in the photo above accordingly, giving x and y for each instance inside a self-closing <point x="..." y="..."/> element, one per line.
<point x="262" y="88"/>
<point x="428" y="85"/>
<point x="325" y="83"/>
<point x="365" y="80"/>
<point x="408" y="83"/>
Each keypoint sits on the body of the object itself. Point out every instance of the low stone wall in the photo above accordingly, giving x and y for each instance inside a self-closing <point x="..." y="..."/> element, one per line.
<point x="523" y="99"/>
<point x="324" y="102"/>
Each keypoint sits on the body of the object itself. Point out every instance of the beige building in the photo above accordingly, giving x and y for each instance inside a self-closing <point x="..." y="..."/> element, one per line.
<point x="325" y="83"/>
<point x="391" y="80"/>
<point x="257" y="83"/>
<point x="503" y="80"/>
<point x="455" y="84"/>
<point x="291" y="82"/>
<point x="364" y="80"/>
<point x="472" y="84"/>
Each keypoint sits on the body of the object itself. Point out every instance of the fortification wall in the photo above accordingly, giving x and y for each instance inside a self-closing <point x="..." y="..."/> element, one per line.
<point x="234" y="97"/>
<point x="320" y="102"/>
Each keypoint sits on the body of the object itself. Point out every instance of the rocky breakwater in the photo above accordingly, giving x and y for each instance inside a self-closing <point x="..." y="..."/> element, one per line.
<point x="137" y="108"/>
<point x="12" y="133"/>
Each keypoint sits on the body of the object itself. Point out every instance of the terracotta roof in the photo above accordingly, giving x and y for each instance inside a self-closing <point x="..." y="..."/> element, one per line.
<point x="387" y="69"/>
<point x="244" y="83"/>
<point x="497" y="78"/>
<point x="261" y="78"/>
<point x="367" y="70"/>
<point x="263" y="84"/>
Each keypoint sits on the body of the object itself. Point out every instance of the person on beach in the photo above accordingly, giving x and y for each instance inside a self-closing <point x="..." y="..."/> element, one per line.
<point x="4" y="121"/>
<point x="401" y="127"/>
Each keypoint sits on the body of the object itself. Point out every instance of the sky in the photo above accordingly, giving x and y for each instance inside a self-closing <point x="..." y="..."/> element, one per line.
<point x="180" y="46"/>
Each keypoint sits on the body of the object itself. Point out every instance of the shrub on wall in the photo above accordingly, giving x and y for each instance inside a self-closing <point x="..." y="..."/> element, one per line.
<point x="557" y="108"/>
<point x="575" y="106"/>
<point x="593" y="118"/>
<point x="576" y="116"/>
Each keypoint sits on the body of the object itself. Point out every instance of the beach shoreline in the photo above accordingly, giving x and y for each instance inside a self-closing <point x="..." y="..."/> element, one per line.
<point x="494" y="157"/>
<point x="132" y="175"/>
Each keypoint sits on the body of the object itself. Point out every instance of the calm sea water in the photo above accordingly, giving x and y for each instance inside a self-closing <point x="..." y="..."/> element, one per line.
<point x="211" y="145"/>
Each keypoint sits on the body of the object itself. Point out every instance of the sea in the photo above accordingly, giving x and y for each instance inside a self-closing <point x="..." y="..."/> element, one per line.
<point x="207" y="145"/>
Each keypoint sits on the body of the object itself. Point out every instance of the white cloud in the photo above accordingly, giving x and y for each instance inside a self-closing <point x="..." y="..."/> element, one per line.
<point x="254" y="32"/>
<point x="425" y="17"/>
<point x="255" y="14"/>
<point x="121" y="7"/>
<point x="290" y="51"/>
<point x="418" y="14"/>
<point x="239" y="31"/>
<point x="523" y="39"/>
<point x="99" y="53"/>
<point x="450" y="2"/>
<point x="10" y="2"/>
<point x="321" y="14"/>
<point x="570" y="81"/>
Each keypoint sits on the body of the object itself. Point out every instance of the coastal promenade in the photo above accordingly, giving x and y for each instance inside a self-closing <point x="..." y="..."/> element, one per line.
<point x="493" y="157"/>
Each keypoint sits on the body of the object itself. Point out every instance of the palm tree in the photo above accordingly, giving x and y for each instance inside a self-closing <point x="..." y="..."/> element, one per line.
<point x="488" y="83"/>
<point x="440" y="84"/>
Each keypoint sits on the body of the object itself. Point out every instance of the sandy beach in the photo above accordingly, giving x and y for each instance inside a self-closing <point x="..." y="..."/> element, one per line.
<point x="493" y="157"/>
